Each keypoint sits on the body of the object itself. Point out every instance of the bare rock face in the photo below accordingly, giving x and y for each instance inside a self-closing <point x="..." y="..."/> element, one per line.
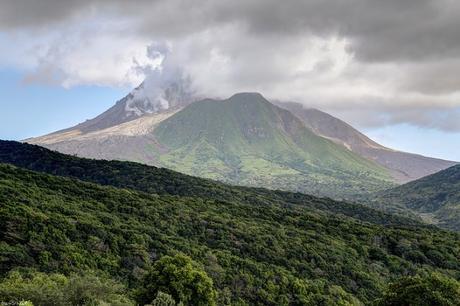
<point x="403" y="166"/>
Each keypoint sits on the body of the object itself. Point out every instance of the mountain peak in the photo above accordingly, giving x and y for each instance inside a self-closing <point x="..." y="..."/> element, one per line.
<point x="248" y="99"/>
<point x="247" y="95"/>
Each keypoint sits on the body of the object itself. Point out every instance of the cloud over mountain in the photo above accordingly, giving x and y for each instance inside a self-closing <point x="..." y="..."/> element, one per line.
<point x="397" y="59"/>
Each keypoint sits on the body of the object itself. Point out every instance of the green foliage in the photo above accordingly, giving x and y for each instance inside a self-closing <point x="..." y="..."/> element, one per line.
<point x="246" y="140"/>
<point x="180" y="277"/>
<point x="432" y="290"/>
<point x="89" y="289"/>
<point x="259" y="247"/>
<point x="435" y="198"/>
<point x="163" y="299"/>
<point x="166" y="182"/>
<point x="56" y="289"/>
<point x="39" y="288"/>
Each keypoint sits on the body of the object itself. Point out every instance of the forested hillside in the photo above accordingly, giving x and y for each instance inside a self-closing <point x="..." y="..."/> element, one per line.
<point x="256" y="252"/>
<point x="436" y="198"/>
<point x="163" y="181"/>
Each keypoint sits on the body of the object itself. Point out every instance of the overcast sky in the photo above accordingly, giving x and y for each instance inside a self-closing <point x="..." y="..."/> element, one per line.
<point x="385" y="66"/>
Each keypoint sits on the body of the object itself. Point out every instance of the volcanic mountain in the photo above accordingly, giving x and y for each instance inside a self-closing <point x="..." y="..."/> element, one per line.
<point x="243" y="140"/>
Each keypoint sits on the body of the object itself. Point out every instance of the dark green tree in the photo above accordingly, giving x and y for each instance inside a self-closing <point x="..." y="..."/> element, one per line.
<point x="180" y="277"/>
<point x="432" y="290"/>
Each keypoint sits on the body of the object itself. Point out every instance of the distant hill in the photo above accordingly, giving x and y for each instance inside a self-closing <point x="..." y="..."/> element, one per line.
<point x="436" y="198"/>
<point x="243" y="140"/>
<point x="404" y="167"/>
<point x="260" y="247"/>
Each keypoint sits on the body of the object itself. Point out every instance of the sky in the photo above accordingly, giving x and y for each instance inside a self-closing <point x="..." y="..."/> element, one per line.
<point x="390" y="68"/>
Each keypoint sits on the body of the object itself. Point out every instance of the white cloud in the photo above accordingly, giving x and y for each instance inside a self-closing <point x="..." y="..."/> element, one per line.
<point x="97" y="53"/>
<point x="348" y="61"/>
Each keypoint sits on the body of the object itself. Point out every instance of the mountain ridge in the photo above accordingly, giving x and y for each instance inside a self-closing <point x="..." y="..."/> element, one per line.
<point x="243" y="140"/>
<point x="403" y="166"/>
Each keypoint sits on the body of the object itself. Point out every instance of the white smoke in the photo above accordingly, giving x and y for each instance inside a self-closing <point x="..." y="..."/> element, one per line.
<point x="165" y="86"/>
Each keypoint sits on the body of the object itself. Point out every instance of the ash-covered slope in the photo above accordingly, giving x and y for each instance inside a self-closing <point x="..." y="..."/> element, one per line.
<point x="122" y="132"/>
<point x="140" y="102"/>
<point x="403" y="166"/>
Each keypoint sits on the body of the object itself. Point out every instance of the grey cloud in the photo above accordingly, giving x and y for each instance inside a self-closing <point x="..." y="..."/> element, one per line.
<point x="45" y="74"/>
<point x="434" y="77"/>
<point x="446" y="119"/>
<point x="387" y="30"/>
<point x="24" y="13"/>
<point x="264" y="39"/>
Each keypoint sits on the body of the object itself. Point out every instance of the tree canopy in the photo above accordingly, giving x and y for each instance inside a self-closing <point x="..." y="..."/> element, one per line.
<point x="180" y="277"/>
<point x="431" y="290"/>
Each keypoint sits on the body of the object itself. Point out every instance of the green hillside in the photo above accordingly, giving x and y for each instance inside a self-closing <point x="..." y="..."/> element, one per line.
<point x="436" y="198"/>
<point x="260" y="247"/>
<point x="164" y="181"/>
<point x="259" y="254"/>
<point x="246" y="140"/>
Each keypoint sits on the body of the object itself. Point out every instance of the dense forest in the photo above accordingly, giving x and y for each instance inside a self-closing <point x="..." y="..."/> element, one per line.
<point x="243" y="246"/>
<point x="163" y="181"/>
<point x="436" y="198"/>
